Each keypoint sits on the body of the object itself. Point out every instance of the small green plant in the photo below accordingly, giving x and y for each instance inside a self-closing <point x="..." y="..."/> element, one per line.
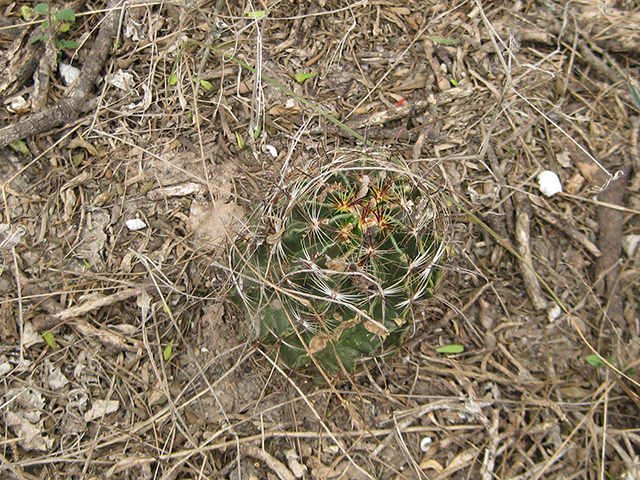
<point x="597" y="361"/>
<point x="168" y="350"/>
<point x="332" y="268"/>
<point x="60" y="20"/>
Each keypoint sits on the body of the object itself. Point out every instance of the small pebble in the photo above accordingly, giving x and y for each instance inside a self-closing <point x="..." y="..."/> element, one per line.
<point x="424" y="444"/>
<point x="273" y="151"/>
<point x="549" y="183"/>
<point x="68" y="73"/>
<point x="135" y="224"/>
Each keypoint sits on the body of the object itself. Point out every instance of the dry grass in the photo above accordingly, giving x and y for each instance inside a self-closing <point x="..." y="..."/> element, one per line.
<point x="150" y="374"/>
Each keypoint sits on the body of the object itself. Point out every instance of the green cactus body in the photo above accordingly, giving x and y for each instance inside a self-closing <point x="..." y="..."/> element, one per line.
<point x="336" y="261"/>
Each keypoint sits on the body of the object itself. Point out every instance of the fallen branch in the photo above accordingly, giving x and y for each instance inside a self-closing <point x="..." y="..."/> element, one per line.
<point x="70" y="108"/>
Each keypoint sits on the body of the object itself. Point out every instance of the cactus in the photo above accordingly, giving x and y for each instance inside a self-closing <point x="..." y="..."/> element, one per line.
<point x="336" y="261"/>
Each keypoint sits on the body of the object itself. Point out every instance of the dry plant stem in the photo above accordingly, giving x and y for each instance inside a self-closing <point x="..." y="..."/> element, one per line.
<point x="58" y="315"/>
<point x="523" y="239"/>
<point x="489" y="460"/>
<point x="69" y="108"/>
<point x="109" y="339"/>
<point x="610" y="73"/>
<point x="274" y="464"/>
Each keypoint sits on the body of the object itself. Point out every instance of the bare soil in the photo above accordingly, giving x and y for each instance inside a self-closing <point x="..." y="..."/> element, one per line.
<point x="121" y="355"/>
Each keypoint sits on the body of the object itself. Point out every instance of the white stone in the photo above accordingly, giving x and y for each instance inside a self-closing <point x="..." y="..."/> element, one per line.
<point x="549" y="183"/>
<point x="424" y="444"/>
<point x="135" y="224"/>
<point x="68" y="73"/>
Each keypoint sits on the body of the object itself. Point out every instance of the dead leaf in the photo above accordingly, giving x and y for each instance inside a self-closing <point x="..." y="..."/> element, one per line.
<point x="93" y="237"/>
<point x="318" y="343"/>
<point x="79" y="142"/>
<point x="431" y="464"/>
<point x="587" y="167"/>
<point x="400" y="10"/>
<point x="100" y="408"/>
<point x="56" y="379"/>
<point x="30" y="434"/>
<point x="564" y="159"/>
<point x="461" y="460"/>
<point x="324" y="472"/>
<point x="11" y="235"/>
<point x="376" y="329"/>
<point x="295" y="466"/>
<point x="30" y="336"/>
<point x="575" y="392"/>
<point x="574" y="184"/>
<point x="8" y="330"/>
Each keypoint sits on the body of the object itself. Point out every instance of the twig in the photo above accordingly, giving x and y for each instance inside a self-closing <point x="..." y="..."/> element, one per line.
<point x="523" y="227"/>
<point x="274" y="464"/>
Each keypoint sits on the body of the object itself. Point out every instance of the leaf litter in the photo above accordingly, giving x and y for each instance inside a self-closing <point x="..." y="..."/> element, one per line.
<point x="489" y="95"/>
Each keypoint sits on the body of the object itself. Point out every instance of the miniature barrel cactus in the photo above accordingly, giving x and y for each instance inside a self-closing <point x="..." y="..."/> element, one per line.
<point x="332" y="267"/>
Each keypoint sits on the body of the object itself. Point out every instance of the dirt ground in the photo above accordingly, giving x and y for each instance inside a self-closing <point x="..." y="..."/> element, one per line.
<point x="121" y="356"/>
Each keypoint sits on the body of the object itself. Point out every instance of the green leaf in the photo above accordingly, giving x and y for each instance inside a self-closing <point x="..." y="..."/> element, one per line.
<point x="26" y="12"/>
<point x="257" y="14"/>
<point x="452" y="42"/>
<point x="41" y="8"/>
<point x="65" y="27"/>
<point x="454" y="82"/>
<point x="67" y="44"/>
<point x="634" y="93"/>
<point x="257" y="131"/>
<point x="596" y="361"/>
<point x="35" y="39"/>
<point x="19" y="147"/>
<point x="173" y="79"/>
<point x="301" y="77"/>
<point x="66" y="14"/>
<point x="77" y="159"/>
<point x="453" y="348"/>
<point x="168" y="350"/>
<point x="147" y="187"/>
<point x="206" y="85"/>
<point x="45" y="25"/>
<point x="240" y="141"/>
<point x="50" y="339"/>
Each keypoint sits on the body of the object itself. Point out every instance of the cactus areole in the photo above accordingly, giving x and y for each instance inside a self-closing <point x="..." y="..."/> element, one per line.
<point x="333" y="266"/>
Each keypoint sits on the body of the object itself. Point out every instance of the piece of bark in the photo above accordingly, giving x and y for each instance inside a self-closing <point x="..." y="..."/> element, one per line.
<point x="610" y="223"/>
<point x="523" y="241"/>
<point x="69" y="108"/>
